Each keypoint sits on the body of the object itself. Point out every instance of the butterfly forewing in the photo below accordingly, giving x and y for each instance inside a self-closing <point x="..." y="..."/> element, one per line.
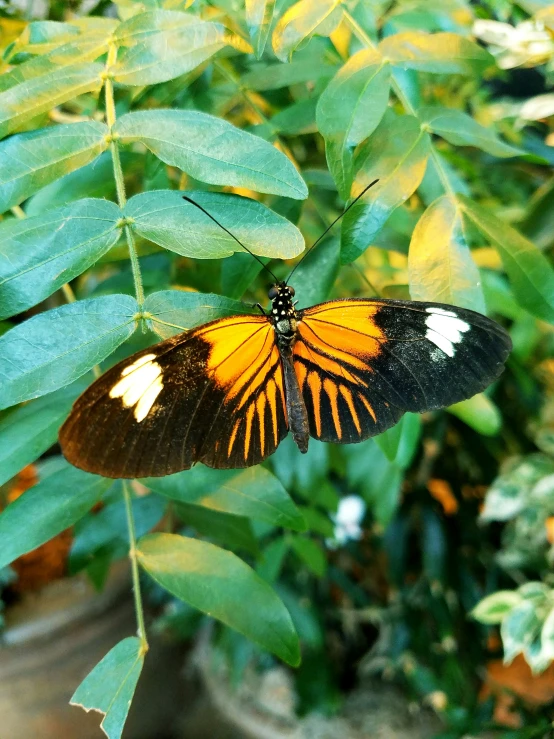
<point x="362" y="363"/>
<point x="212" y="395"/>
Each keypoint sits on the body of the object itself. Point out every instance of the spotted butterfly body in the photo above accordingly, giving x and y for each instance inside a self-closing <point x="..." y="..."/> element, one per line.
<point x="226" y="393"/>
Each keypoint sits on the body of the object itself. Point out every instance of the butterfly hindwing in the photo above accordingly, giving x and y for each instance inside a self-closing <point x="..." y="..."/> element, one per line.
<point x="213" y="395"/>
<point x="362" y="363"/>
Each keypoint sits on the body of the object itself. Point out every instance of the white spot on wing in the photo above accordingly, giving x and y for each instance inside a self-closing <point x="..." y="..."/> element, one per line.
<point x="139" y="362"/>
<point x="139" y="386"/>
<point x="142" y="408"/>
<point x="448" y="327"/>
<point x="441" y="312"/>
<point x="441" y="341"/>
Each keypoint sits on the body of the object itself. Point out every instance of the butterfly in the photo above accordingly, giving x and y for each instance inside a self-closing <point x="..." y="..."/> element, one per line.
<point x="227" y="392"/>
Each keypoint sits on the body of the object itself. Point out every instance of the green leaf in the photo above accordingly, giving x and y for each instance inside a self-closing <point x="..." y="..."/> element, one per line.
<point x="380" y="488"/>
<point x="212" y="150"/>
<point x="173" y="311"/>
<point x="389" y="440"/>
<point x="32" y="160"/>
<point x="531" y="275"/>
<point x="254" y="493"/>
<point x="350" y="109"/>
<point x="296" y="119"/>
<point x="316" y="275"/>
<point x="461" y="130"/>
<point x="40" y="94"/>
<point x="443" y="53"/>
<point x="355" y="100"/>
<point x="340" y="162"/>
<point x="269" y="565"/>
<point x="300" y="21"/>
<point x="223" y="586"/>
<point x="409" y="440"/>
<point x="511" y="492"/>
<point x="94" y="180"/>
<point x="82" y="49"/>
<point x="494" y="608"/>
<point x="160" y="45"/>
<point x="318" y="522"/>
<point x="54" y="348"/>
<point x="238" y="272"/>
<point x="432" y="186"/>
<point x="480" y="413"/>
<point x="28" y="431"/>
<point x="162" y="216"/>
<point x="111" y="685"/>
<point x="396" y="154"/>
<point x="40" y="37"/>
<point x="518" y="628"/>
<point x="440" y="265"/>
<point x="259" y="14"/>
<point x="310" y="553"/>
<point x="547" y="636"/>
<point x="303" y="68"/>
<point x="39" y="254"/>
<point x="104" y="532"/>
<point x="225" y="529"/>
<point x="46" y="509"/>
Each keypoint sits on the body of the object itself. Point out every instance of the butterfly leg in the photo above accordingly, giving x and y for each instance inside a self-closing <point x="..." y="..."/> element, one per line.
<point x="296" y="410"/>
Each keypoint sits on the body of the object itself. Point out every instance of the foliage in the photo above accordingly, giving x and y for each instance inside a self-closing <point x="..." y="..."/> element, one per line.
<point x="273" y="116"/>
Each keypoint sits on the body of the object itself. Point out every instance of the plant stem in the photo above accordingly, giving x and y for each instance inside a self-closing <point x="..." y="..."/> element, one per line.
<point x="18" y="211"/>
<point x="362" y="36"/>
<point x="139" y="292"/>
<point x="68" y="293"/>
<point x="141" y="629"/>
<point x="118" y="174"/>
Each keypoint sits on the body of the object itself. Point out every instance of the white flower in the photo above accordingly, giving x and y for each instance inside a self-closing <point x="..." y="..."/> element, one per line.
<point x="348" y="519"/>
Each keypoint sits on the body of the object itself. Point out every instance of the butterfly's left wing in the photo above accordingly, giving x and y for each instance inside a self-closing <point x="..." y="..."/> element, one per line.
<point x="362" y="363"/>
<point x="213" y="395"/>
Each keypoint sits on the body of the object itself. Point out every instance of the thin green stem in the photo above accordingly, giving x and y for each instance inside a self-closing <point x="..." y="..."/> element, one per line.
<point x="135" y="266"/>
<point x="141" y="629"/>
<point x="118" y="173"/>
<point x="68" y="293"/>
<point x="403" y="99"/>
<point x="165" y="323"/>
<point x="18" y="211"/>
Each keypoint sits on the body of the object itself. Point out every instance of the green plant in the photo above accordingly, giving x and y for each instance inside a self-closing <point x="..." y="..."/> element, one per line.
<point x="107" y="120"/>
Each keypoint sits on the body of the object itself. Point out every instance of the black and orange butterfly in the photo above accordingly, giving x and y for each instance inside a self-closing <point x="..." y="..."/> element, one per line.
<point x="227" y="393"/>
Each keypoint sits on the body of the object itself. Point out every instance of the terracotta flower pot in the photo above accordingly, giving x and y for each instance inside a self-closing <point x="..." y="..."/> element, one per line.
<point x="263" y="707"/>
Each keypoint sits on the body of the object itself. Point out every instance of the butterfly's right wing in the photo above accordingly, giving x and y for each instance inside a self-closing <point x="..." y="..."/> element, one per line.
<point x="213" y="395"/>
<point x="363" y="362"/>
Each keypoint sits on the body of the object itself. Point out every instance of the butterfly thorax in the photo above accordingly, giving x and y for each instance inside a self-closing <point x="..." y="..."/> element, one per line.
<point x="283" y="316"/>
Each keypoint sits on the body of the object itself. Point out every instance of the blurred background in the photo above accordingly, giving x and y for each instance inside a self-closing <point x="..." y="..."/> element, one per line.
<point x="422" y="544"/>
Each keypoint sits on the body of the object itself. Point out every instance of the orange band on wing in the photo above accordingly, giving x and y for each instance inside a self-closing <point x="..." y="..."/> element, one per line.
<point x="369" y="407"/>
<point x="347" y="395"/>
<point x="326" y="364"/>
<point x="233" y="437"/>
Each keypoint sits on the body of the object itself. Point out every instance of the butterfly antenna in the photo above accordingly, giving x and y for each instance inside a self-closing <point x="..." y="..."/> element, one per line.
<point x="193" y="202"/>
<point x="344" y="212"/>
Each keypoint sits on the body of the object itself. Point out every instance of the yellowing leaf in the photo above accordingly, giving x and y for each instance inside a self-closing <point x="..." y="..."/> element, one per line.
<point x="300" y="21"/>
<point x="440" y="265"/>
